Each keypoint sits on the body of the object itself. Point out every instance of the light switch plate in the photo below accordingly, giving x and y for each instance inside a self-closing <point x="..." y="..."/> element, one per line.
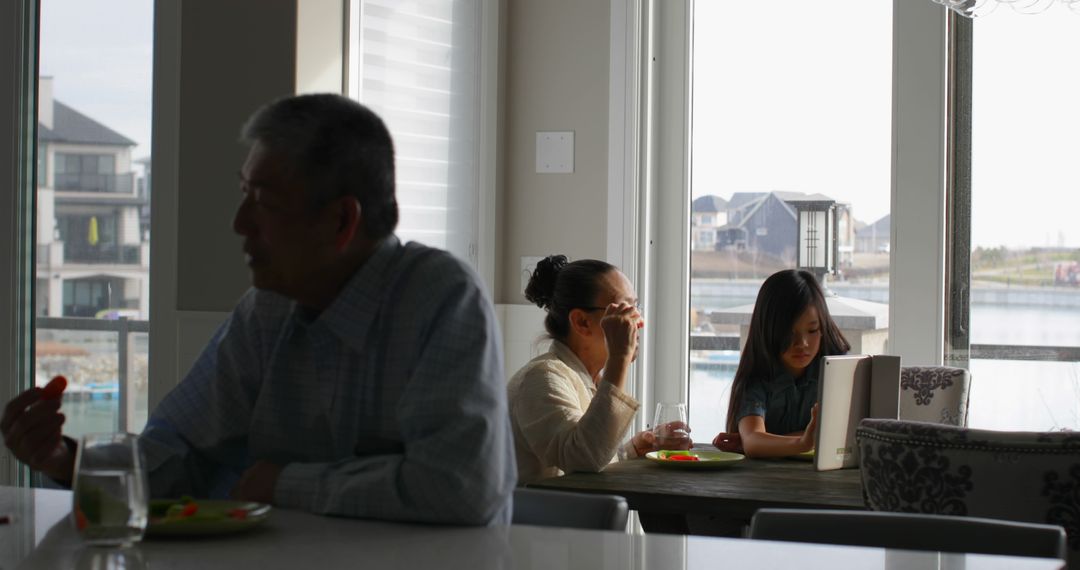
<point x="554" y="152"/>
<point x="528" y="265"/>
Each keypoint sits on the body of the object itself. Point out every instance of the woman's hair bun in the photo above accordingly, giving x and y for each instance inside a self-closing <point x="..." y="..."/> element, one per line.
<point x="541" y="287"/>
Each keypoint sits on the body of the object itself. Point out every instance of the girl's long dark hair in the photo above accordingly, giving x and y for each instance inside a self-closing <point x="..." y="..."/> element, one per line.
<point x="783" y="297"/>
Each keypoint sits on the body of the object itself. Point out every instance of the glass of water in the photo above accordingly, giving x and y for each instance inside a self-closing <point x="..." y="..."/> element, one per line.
<point x="669" y="426"/>
<point x="110" y="494"/>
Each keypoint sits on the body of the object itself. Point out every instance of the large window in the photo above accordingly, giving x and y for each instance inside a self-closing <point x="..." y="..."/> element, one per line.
<point x="1025" y="241"/>
<point x="417" y="64"/>
<point x="786" y="116"/>
<point x="92" y="239"/>
<point x="945" y="154"/>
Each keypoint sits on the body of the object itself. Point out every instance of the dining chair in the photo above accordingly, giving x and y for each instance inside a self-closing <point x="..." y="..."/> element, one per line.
<point x="540" y="507"/>
<point x="920" y="467"/>
<point x="936" y="394"/>
<point x="909" y="531"/>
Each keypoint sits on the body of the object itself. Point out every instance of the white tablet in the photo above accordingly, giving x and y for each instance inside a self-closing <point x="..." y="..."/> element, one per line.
<point x="852" y="388"/>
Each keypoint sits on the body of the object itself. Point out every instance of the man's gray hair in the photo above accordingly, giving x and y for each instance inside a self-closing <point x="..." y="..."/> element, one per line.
<point x="337" y="147"/>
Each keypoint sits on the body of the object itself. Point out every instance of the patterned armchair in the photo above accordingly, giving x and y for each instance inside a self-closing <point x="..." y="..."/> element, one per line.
<point x="919" y="467"/>
<point x="937" y="394"/>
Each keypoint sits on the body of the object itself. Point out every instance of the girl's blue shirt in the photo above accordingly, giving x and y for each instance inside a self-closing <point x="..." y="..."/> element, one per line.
<point x="784" y="401"/>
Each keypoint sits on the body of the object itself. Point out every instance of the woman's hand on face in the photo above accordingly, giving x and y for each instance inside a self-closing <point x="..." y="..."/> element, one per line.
<point x="620" y="324"/>
<point x="728" y="441"/>
<point x="810" y="433"/>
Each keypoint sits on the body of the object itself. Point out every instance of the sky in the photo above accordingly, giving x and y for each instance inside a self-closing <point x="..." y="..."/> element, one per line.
<point x="782" y="105"/>
<point x="99" y="54"/>
<point x="778" y="104"/>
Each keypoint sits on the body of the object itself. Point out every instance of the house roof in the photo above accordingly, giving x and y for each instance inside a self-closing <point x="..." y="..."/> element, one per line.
<point x="801" y="197"/>
<point x="708" y="204"/>
<point x="71" y="126"/>
<point x="740" y="200"/>
<point x="878" y="228"/>
<point x="752" y="201"/>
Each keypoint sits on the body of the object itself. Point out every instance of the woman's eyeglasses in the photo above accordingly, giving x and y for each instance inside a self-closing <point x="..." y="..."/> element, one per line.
<point x="640" y="308"/>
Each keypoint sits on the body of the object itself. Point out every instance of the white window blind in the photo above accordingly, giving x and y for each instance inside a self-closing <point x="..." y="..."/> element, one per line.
<point x="416" y="64"/>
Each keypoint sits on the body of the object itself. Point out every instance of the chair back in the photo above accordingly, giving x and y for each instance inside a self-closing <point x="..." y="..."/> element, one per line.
<point x="922" y="467"/>
<point x="937" y="394"/>
<point x="909" y="531"/>
<point x="541" y="507"/>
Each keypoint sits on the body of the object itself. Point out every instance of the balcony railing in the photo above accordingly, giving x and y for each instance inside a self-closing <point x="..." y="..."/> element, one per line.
<point x="111" y="254"/>
<point x="124" y="330"/>
<point x="123" y="183"/>
<point x="977" y="351"/>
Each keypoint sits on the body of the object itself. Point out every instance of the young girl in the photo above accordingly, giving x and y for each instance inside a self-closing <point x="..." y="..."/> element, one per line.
<point x="773" y="409"/>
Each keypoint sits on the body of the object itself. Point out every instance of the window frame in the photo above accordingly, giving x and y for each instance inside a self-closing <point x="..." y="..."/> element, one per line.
<point x="482" y="248"/>
<point x="18" y="157"/>
<point x="652" y="156"/>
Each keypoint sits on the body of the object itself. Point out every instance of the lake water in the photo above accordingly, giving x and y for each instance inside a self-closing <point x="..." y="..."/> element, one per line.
<point x="1005" y="395"/>
<point x="1020" y="395"/>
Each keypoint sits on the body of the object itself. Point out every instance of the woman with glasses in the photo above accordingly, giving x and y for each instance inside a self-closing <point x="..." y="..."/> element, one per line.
<point x="569" y="409"/>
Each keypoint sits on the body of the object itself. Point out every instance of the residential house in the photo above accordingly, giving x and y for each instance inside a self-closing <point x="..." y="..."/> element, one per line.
<point x="873" y="238"/>
<point x="707" y="214"/>
<point x="92" y="258"/>
<point x="767" y="222"/>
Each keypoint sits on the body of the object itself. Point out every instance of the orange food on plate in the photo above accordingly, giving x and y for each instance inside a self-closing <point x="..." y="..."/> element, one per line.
<point x="55" y="388"/>
<point x="683" y="458"/>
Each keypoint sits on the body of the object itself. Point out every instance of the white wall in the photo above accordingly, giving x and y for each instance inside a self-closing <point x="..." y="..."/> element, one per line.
<point x="556" y="79"/>
<point x="212" y="69"/>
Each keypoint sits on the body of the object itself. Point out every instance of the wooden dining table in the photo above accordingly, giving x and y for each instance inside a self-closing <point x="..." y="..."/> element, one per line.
<point x="719" y="502"/>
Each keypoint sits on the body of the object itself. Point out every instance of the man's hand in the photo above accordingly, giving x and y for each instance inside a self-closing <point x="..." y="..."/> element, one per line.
<point x="728" y="441"/>
<point x="31" y="427"/>
<point x="258" y="482"/>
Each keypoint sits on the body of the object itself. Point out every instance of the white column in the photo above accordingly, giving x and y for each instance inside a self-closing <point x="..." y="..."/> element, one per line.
<point x="56" y="296"/>
<point x="917" y="272"/>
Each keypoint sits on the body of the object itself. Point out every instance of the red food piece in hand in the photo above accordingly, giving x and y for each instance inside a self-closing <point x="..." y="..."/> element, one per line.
<point x="683" y="458"/>
<point x="55" y="388"/>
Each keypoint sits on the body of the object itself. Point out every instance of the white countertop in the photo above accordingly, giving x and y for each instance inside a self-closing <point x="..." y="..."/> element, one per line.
<point x="40" y="535"/>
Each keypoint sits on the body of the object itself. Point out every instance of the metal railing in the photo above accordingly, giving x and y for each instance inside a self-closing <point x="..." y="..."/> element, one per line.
<point x="123" y="183"/>
<point x="977" y="351"/>
<point x="121" y="254"/>
<point x="126" y="353"/>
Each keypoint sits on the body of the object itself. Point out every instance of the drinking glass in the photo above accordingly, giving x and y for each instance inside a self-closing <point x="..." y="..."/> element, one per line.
<point x="670" y="436"/>
<point x="110" y="493"/>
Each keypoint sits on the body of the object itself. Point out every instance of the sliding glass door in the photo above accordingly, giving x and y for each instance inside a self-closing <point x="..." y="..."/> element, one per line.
<point x="92" y="215"/>
<point x="785" y="115"/>
<point x="1021" y="338"/>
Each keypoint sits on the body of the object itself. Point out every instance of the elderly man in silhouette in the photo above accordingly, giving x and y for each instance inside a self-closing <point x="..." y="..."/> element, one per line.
<point x="358" y="377"/>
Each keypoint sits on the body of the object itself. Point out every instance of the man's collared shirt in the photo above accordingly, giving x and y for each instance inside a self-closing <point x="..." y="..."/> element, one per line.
<point x="389" y="404"/>
<point x="784" y="401"/>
